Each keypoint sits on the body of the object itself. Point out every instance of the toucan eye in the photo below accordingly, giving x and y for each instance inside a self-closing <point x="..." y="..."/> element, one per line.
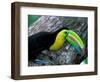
<point x="66" y="33"/>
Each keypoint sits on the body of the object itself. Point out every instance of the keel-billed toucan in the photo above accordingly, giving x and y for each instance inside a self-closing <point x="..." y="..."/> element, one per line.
<point x="52" y="41"/>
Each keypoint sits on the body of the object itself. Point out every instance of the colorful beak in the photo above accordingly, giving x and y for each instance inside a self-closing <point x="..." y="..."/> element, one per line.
<point x="75" y="40"/>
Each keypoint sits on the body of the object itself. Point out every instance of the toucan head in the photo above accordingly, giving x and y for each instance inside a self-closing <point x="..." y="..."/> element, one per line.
<point x="66" y="35"/>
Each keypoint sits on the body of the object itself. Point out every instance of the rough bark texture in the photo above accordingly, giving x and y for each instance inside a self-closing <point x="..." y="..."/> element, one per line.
<point x="67" y="54"/>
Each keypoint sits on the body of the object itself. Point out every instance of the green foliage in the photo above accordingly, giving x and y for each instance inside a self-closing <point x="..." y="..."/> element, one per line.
<point x="32" y="19"/>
